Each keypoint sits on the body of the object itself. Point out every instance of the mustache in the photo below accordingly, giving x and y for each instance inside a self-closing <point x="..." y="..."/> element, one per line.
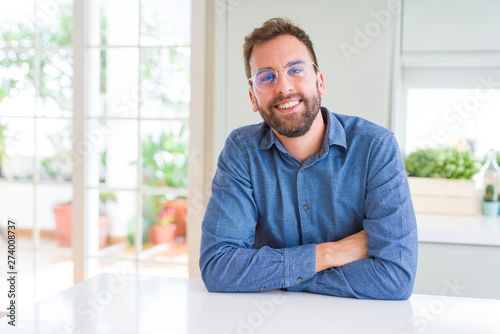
<point x="292" y="96"/>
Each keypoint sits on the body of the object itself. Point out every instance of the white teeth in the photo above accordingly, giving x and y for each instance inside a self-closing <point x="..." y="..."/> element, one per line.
<point x="288" y="105"/>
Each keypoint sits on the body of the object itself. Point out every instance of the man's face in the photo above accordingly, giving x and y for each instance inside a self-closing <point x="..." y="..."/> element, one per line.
<point x="291" y="108"/>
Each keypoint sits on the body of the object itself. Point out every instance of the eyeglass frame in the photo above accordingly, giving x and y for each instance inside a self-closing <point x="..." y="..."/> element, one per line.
<point x="252" y="78"/>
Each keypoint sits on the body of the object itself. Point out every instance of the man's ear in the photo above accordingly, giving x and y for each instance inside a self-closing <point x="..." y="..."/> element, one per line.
<point x="252" y="99"/>
<point x="321" y="83"/>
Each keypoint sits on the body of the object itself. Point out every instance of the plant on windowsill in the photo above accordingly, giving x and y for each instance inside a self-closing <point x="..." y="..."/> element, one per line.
<point x="62" y="213"/>
<point x="440" y="181"/>
<point x="490" y="206"/>
<point x="164" y="165"/>
<point x="164" y="230"/>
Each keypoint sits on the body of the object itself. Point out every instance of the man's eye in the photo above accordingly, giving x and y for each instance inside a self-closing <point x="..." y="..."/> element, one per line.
<point x="296" y="72"/>
<point x="265" y="78"/>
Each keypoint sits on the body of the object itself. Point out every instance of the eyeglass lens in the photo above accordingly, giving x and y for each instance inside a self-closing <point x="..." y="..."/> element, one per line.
<point x="266" y="80"/>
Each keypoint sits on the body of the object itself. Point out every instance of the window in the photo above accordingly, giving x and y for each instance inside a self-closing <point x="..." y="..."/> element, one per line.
<point x="36" y="110"/>
<point x="138" y="122"/>
<point x="450" y="107"/>
<point x="137" y="134"/>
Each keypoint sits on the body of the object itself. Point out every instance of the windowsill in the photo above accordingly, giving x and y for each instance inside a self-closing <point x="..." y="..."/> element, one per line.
<point x="467" y="230"/>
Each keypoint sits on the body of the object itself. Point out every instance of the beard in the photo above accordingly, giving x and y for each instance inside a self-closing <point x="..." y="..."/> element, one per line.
<point x="295" y="124"/>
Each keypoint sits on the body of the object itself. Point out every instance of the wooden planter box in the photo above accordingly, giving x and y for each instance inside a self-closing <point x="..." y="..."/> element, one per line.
<point x="444" y="196"/>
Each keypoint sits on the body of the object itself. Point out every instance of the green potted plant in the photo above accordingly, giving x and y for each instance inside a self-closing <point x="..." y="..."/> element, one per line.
<point x="164" y="230"/>
<point x="490" y="205"/>
<point x="165" y="165"/>
<point x="440" y="180"/>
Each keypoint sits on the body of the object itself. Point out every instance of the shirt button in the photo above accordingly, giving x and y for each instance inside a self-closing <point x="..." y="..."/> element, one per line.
<point x="305" y="207"/>
<point x="261" y="288"/>
<point x="302" y="170"/>
<point x="299" y="279"/>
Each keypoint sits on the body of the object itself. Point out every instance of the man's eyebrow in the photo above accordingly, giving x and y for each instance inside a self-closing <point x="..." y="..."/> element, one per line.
<point x="291" y="62"/>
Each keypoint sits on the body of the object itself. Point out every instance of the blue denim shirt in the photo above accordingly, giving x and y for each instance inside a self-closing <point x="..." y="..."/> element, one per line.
<point x="268" y="210"/>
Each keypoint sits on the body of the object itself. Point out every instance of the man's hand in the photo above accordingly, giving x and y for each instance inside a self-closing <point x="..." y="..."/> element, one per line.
<point x="342" y="252"/>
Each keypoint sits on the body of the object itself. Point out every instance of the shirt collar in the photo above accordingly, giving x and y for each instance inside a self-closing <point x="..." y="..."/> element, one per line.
<point x="334" y="135"/>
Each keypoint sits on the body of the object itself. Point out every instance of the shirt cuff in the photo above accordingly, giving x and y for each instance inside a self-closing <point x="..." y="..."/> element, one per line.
<point x="300" y="264"/>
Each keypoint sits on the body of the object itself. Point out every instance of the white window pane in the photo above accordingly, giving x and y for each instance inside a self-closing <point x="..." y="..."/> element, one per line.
<point x="56" y="88"/>
<point x="18" y="157"/>
<point x="17" y="89"/>
<point x="11" y="206"/>
<point x="165" y="82"/>
<point x="16" y="23"/>
<point x="115" y="84"/>
<point x="112" y="153"/>
<point x="54" y="144"/>
<point x="453" y="117"/>
<point x="54" y="22"/>
<point x="165" y="22"/>
<point x="114" y="22"/>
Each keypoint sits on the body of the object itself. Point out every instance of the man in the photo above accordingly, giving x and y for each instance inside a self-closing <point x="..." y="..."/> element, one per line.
<point x="308" y="200"/>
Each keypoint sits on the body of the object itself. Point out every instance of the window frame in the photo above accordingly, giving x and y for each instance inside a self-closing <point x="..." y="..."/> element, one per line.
<point x="436" y="78"/>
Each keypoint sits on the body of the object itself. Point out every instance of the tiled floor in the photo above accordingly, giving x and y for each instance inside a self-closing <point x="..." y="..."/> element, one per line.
<point x="44" y="273"/>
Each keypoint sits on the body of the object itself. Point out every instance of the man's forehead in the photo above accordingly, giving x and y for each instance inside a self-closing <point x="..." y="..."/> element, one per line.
<point x="278" y="52"/>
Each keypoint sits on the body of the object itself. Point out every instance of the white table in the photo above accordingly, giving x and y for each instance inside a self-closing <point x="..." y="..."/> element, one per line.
<point x="122" y="304"/>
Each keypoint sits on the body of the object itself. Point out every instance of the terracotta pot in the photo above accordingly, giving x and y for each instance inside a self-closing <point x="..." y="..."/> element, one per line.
<point x="180" y="208"/>
<point x="163" y="234"/>
<point x="104" y="221"/>
<point x="62" y="213"/>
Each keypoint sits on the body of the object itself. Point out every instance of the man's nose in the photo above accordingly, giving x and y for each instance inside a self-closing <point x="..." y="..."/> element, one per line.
<point x="283" y="85"/>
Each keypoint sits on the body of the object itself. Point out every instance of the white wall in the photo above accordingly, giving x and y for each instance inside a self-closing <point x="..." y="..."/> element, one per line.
<point x="451" y="26"/>
<point x="356" y="83"/>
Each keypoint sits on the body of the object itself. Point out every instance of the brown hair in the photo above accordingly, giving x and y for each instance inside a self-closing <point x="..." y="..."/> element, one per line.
<point x="271" y="29"/>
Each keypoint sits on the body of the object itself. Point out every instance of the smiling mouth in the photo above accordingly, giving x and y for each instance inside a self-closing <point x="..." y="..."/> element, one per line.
<point x="288" y="105"/>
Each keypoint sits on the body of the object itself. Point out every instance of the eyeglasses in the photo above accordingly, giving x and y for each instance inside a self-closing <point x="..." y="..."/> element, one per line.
<point x="295" y="72"/>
